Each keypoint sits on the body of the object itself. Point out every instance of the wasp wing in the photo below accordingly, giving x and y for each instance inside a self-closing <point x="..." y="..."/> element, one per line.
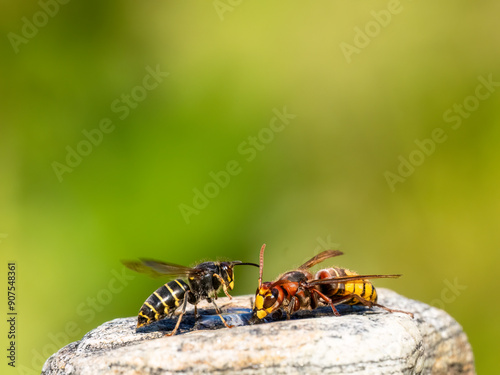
<point x="156" y="268"/>
<point x="347" y="279"/>
<point x="320" y="258"/>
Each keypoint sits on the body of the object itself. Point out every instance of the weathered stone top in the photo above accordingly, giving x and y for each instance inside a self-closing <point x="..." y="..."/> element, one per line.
<point x="361" y="341"/>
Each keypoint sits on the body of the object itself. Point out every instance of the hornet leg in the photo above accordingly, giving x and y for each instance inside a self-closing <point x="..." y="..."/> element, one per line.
<point x="327" y="300"/>
<point x="371" y="304"/>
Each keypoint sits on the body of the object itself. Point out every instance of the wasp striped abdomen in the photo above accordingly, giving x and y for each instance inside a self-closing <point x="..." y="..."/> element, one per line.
<point x="362" y="287"/>
<point x="163" y="302"/>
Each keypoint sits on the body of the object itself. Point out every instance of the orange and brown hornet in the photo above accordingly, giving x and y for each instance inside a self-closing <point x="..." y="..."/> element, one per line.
<point x="300" y="290"/>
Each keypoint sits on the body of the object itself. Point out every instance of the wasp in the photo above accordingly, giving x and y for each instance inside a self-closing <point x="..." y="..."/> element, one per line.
<point x="300" y="290"/>
<point x="204" y="282"/>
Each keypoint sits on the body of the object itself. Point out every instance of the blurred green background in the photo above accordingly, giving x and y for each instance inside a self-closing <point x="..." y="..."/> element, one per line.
<point x="319" y="182"/>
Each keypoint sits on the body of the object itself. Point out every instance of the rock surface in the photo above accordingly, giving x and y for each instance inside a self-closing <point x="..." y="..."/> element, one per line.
<point x="361" y="341"/>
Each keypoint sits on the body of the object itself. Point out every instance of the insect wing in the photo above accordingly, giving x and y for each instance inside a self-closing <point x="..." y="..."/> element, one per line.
<point x="155" y="268"/>
<point x="320" y="258"/>
<point x="348" y="279"/>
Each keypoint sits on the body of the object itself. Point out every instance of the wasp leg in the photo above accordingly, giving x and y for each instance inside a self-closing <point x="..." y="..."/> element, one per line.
<point x="224" y="287"/>
<point x="180" y="318"/>
<point x="327" y="300"/>
<point x="371" y="304"/>
<point x="196" y="318"/>
<point x="220" y="316"/>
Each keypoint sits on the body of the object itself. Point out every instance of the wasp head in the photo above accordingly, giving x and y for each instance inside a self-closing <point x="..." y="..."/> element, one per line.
<point x="227" y="274"/>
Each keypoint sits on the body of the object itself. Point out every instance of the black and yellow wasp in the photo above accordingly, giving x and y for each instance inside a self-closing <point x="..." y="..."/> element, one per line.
<point x="204" y="282"/>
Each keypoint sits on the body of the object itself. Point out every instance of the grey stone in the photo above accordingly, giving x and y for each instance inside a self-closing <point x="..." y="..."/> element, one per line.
<point x="361" y="341"/>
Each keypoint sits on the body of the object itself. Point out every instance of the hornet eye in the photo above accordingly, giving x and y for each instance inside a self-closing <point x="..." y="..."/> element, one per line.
<point x="271" y="300"/>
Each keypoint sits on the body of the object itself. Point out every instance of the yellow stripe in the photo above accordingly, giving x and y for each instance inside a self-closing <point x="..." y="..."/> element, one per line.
<point x="358" y="285"/>
<point x="152" y="308"/>
<point x="367" y="290"/>
<point x="173" y="295"/>
<point x="161" y="299"/>
<point x="182" y="286"/>
<point x="145" y="323"/>
<point x="350" y="287"/>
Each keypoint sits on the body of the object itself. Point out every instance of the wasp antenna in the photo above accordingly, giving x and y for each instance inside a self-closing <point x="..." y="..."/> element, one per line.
<point x="245" y="264"/>
<point x="261" y="259"/>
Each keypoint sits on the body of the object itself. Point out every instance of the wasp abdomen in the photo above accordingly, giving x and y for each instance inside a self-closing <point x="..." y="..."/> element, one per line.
<point x="363" y="288"/>
<point x="162" y="302"/>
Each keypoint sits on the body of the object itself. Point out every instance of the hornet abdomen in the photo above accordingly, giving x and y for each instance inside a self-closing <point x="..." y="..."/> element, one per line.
<point x="363" y="288"/>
